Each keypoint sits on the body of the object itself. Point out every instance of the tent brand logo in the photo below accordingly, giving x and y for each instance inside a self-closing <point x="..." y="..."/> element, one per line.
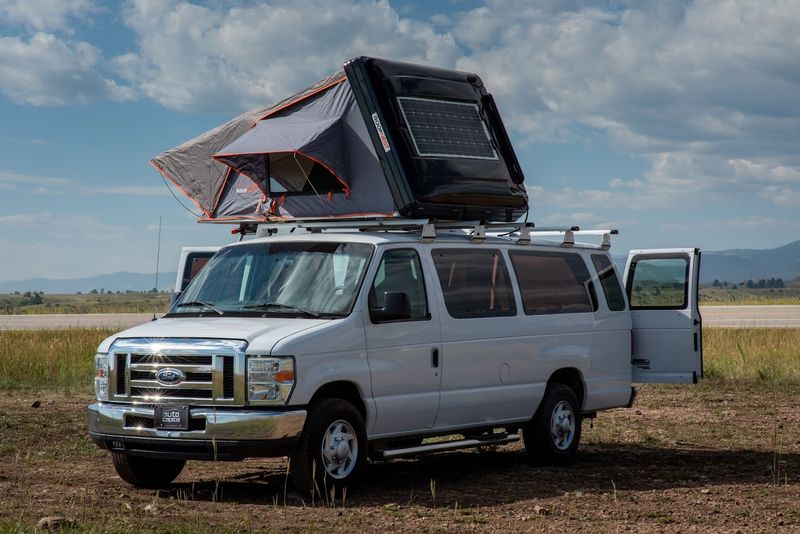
<point x="379" y="128"/>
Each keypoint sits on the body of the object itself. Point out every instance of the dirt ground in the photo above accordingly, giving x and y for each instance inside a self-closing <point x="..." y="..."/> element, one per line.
<point x="719" y="457"/>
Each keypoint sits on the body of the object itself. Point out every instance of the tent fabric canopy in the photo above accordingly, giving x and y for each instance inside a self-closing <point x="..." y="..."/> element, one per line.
<point x="313" y="129"/>
<point x="281" y="141"/>
<point x="190" y="166"/>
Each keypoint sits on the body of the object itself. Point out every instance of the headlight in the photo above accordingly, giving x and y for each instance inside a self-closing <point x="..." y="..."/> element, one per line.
<point x="269" y="380"/>
<point x="101" y="376"/>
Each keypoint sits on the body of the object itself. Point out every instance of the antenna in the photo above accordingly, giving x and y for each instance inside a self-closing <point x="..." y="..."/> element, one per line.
<point x="158" y="257"/>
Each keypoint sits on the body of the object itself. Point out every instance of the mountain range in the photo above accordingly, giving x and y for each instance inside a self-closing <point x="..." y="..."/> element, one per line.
<point x="735" y="265"/>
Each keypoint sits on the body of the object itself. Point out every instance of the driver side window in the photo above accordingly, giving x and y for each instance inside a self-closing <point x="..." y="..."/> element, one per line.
<point x="400" y="270"/>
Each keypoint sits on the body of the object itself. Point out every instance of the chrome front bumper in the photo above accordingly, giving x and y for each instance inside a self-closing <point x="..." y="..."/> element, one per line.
<point x="215" y="433"/>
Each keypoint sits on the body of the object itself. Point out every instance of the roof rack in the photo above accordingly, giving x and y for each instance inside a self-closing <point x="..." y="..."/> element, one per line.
<point x="523" y="233"/>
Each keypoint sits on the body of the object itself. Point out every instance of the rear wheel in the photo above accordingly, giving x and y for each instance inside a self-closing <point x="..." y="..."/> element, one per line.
<point x="332" y="452"/>
<point x="553" y="435"/>
<point x="146" y="472"/>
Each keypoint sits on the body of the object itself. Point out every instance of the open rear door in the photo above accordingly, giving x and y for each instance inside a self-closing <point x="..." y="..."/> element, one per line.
<point x="667" y="328"/>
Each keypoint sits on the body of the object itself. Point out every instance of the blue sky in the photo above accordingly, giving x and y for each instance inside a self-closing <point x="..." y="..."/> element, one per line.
<point x="676" y="122"/>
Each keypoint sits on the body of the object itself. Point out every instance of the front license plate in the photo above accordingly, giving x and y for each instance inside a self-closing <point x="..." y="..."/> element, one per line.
<point x="172" y="418"/>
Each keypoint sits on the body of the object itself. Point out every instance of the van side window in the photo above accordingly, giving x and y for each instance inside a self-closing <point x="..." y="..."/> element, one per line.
<point x="609" y="281"/>
<point x="553" y="282"/>
<point x="474" y="283"/>
<point x="400" y="270"/>
<point x="658" y="283"/>
<point x="194" y="262"/>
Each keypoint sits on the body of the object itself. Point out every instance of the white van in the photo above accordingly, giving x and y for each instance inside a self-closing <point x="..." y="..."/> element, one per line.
<point x="335" y="346"/>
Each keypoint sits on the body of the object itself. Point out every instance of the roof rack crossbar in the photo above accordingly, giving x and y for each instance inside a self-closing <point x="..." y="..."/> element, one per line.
<point x="524" y="233"/>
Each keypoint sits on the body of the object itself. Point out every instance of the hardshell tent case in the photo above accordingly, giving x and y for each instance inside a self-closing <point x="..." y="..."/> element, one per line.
<point x="382" y="138"/>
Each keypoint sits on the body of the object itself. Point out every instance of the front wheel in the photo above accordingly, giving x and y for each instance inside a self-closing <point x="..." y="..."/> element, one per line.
<point x="554" y="432"/>
<point x="332" y="452"/>
<point x="146" y="472"/>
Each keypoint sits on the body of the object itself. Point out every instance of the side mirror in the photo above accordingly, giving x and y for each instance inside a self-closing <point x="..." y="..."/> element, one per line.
<point x="396" y="307"/>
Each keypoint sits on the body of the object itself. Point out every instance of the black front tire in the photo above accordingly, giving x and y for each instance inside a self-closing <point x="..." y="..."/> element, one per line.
<point x="146" y="472"/>
<point x="337" y="426"/>
<point x="553" y="434"/>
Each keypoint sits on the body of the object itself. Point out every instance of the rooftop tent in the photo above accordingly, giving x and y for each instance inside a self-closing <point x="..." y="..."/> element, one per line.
<point x="381" y="138"/>
<point x="314" y="158"/>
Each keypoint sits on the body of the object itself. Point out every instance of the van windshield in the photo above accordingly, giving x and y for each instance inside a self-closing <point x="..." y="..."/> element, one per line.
<point x="304" y="279"/>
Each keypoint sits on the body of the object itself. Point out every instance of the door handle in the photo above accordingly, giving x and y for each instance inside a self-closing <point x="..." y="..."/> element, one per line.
<point x="435" y="358"/>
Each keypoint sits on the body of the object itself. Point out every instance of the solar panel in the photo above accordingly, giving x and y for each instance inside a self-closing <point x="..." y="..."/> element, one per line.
<point x="451" y="129"/>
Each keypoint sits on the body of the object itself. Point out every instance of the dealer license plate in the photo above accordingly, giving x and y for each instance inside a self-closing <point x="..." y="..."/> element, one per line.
<point x="171" y="418"/>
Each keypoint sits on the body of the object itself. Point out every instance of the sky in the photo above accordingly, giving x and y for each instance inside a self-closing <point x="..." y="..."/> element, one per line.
<point x="676" y="122"/>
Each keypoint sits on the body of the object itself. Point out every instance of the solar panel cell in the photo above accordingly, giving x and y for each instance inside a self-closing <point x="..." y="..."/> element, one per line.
<point x="446" y="129"/>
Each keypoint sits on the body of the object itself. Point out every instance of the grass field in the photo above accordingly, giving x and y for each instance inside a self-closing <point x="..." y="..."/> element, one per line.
<point x="63" y="359"/>
<point x="719" y="296"/>
<point x="722" y="456"/>
<point x="87" y="303"/>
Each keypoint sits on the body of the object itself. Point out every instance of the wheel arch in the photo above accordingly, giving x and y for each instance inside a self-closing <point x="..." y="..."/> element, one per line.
<point x="572" y="378"/>
<point x="342" y="389"/>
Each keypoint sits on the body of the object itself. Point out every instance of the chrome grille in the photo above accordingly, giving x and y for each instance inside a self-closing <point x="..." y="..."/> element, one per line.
<point x="212" y="371"/>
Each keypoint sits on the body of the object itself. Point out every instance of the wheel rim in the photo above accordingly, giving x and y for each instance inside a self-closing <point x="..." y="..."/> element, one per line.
<point x="339" y="449"/>
<point x="562" y="425"/>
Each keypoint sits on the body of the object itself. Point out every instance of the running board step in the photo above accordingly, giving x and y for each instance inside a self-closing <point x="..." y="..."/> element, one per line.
<point x="497" y="439"/>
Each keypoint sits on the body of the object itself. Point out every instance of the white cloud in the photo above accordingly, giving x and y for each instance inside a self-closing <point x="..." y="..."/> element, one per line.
<point x="44" y="70"/>
<point x="48" y="185"/>
<point x="783" y="197"/>
<point x="126" y="190"/>
<point x="13" y="179"/>
<point x="693" y="87"/>
<point x="194" y="57"/>
<point x="44" y="14"/>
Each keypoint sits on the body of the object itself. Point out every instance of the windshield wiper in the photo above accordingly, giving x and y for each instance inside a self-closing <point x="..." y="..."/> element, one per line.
<point x="200" y="304"/>
<point x="268" y="305"/>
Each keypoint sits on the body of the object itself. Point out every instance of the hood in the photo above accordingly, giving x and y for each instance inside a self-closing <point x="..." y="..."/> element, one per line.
<point x="261" y="333"/>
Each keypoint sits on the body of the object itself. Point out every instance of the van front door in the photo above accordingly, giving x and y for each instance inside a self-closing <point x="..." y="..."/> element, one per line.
<point x="662" y="290"/>
<point x="403" y="354"/>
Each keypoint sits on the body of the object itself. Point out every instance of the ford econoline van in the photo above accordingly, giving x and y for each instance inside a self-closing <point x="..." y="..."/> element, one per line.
<point x="335" y="346"/>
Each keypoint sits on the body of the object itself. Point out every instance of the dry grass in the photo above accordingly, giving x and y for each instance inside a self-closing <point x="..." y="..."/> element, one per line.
<point x="49" y="359"/>
<point x="718" y="296"/>
<point x="88" y="303"/>
<point x="752" y="353"/>
<point x="63" y="359"/>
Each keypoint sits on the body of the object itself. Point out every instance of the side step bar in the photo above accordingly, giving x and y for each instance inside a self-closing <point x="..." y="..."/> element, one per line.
<point x="497" y="439"/>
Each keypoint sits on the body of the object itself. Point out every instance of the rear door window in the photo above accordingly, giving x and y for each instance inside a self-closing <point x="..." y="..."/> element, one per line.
<point x="474" y="283"/>
<point x="608" y="279"/>
<point x="553" y="282"/>
<point x="658" y="283"/>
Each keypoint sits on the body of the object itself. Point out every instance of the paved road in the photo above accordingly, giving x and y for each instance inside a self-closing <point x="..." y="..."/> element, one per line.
<point x="743" y="316"/>
<point x="720" y="316"/>
<point x="74" y="320"/>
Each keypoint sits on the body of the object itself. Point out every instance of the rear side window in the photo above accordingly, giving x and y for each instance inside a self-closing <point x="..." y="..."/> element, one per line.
<point x="609" y="281"/>
<point x="195" y="261"/>
<point x="660" y="283"/>
<point x="474" y="283"/>
<point x="552" y="282"/>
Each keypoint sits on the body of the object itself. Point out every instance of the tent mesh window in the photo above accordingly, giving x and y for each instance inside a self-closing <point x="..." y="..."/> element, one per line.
<point x="446" y="129"/>
<point x="296" y="174"/>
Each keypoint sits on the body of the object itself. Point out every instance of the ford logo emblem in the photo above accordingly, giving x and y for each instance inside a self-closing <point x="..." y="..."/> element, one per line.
<point x="169" y="376"/>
